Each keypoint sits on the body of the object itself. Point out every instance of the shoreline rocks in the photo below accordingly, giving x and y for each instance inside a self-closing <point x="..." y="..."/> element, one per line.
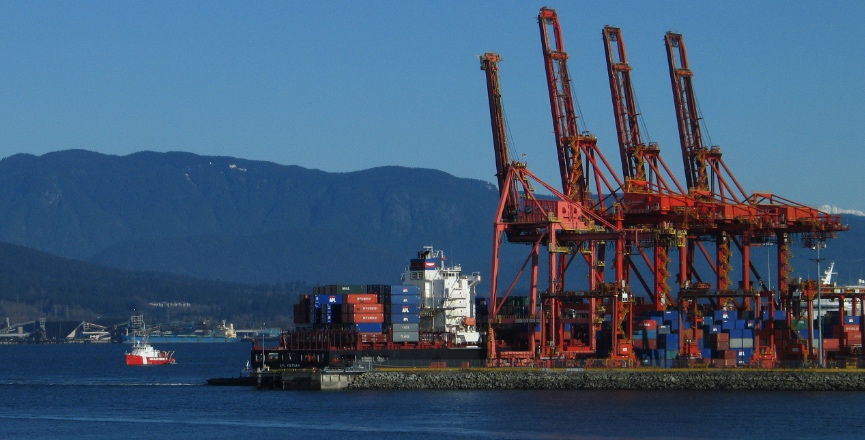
<point x="746" y="380"/>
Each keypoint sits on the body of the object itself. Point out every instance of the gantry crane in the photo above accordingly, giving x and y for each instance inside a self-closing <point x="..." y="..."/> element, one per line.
<point x="741" y="219"/>
<point x="553" y="224"/>
<point x="588" y="179"/>
<point x="651" y="193"/>
<point x="647" y="209"/>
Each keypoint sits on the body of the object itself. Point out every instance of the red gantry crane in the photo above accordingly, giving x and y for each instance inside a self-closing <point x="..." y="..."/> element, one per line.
<point x="536" y="332"/>
<point x="647" y="210"/>
<point x="739" y="219"/>
<point x="588" y="179"/>
<point x="651" y="194"/>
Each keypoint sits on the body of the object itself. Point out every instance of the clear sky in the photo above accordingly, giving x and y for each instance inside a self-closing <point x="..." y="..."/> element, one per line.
<point x="344" y="85"/>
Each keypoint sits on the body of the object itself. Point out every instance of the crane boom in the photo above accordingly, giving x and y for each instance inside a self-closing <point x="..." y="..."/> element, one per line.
<point x="641" y="162"/>
<point x="624" y="106"/>
<point x="569" y="141"/>
<point x="690" y="136"/>
<point x="490" y="65"/>
<point x="704" y="168"/>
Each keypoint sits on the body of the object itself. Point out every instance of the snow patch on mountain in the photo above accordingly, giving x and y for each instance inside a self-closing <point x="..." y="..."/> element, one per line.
<point x="832" y="209"/>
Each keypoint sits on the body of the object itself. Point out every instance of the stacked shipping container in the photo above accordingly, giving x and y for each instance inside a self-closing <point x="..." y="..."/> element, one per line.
<point x="377" y="312"/>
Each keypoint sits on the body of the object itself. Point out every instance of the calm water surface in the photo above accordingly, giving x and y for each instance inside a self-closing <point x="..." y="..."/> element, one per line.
<point x="87" y="392"/>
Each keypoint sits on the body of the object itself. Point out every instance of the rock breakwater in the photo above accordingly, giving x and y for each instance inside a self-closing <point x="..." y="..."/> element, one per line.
<point x="750" y="380"/>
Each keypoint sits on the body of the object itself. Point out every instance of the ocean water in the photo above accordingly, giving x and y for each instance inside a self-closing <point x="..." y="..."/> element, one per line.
<point x="87" y="392"/>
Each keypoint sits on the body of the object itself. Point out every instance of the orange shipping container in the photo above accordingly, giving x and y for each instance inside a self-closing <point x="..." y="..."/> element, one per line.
<point x="360" y="298"/>
<point x="364" y="317"/>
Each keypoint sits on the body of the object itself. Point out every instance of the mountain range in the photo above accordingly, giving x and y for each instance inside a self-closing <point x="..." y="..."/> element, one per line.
<point x="236" y="223"/>
<point x="243" y="221"/>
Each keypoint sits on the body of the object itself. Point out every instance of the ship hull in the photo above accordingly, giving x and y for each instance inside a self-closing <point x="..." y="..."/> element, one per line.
<point x="136" y="360"/>
<point x="282" y="359"/>
<point x="144" y="354"/>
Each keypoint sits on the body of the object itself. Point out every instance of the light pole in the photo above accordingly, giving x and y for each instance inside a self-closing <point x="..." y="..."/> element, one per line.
<point x="819" y="245"/>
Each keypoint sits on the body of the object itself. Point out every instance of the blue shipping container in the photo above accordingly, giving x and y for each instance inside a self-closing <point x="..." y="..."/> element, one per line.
<point x="404" y="290"/>
<point x="399" y="309"/>
<point x="725" y="315"/>
<point x="404" y="319"/>
<point x="368" y="327"/>
<point x="405" y="328"/>
<point x="328" y="299"/>
<point x="405" y="299"/>
<point x="670" y="342"/>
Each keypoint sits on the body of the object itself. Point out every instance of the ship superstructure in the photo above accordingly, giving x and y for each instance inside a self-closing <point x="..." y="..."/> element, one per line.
<point x="447" y="295"/>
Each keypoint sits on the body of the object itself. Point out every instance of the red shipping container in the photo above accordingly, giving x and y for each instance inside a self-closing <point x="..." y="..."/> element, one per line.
<point x="852" y="328"/>
<point x="364" y="317"/>
<point x="360" y="298"/>
<point x="724" y="363"/>
<point x="639" y="344"/>
<point x="851" y="339"/>
<point x="719" y="337"/>
<point x="830" y="344"/>
<point x="728" y="354"/>
<point x="652" y="344"/>
<point x="648" y="324"/>
<point x="363" y="308"/>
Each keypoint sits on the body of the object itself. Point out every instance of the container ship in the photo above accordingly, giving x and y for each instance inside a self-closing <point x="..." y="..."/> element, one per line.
<point x="428" y="319"/>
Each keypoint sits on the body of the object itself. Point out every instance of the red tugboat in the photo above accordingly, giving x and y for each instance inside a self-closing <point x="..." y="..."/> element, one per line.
<point x="144" y="354"/>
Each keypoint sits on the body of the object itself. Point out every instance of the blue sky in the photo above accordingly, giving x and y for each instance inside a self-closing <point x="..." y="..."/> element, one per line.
<point x="344" y="86"/>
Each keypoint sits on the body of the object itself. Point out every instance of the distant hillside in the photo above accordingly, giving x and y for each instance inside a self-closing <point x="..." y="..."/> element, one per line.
<point x="258" y="223"/>
<point x="847" y="251"/>
<point x="242" y="221"/>
<point x="34" y="285"/>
